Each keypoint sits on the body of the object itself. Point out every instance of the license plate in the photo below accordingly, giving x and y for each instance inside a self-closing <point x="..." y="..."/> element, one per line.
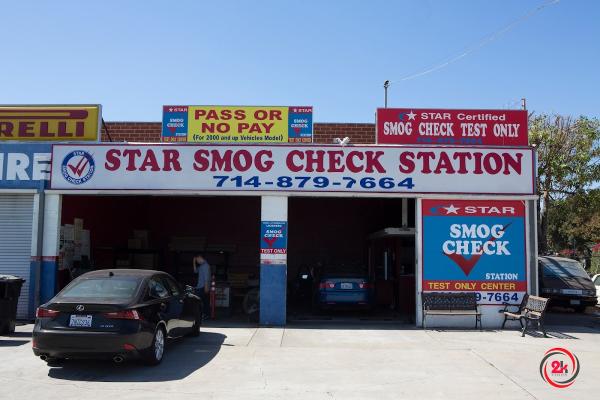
<point x="575" y="302"/>
<point x="572" y="291"/>
<point x="346" y="285"/>
<point x="80" y="321"/>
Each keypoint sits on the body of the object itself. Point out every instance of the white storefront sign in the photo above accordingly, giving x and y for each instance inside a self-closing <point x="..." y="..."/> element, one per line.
<point x="320" y="169"/>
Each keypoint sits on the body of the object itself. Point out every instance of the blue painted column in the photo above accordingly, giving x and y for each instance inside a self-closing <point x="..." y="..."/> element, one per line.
<point x="273" y="260"/>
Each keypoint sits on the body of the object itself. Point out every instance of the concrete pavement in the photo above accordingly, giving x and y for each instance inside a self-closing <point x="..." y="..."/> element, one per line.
<point x="316" y="362"/>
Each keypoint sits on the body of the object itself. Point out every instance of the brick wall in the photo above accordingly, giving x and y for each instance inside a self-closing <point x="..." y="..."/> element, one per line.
<point x="323" y="132"/>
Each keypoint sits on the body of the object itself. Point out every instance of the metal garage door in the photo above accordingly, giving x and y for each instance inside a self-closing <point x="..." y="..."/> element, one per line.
<point x="16" y="220"/>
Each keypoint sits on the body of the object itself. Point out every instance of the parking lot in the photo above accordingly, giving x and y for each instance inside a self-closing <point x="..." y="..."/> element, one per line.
<point x="320" y="361"/>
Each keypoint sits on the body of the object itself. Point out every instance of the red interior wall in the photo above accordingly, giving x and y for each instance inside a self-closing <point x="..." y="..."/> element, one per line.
<point x="222" y="220"/>
<point x="335" y="230"/>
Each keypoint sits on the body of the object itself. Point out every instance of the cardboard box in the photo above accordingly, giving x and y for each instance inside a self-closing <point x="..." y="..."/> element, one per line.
<point x="145" y="261"/>
<point x="85" y="243"/>
<point x="187" y="243"/>
<point x="77" y="228"/>
<point x="143" y="236"/>
<point x="134" y="244"/>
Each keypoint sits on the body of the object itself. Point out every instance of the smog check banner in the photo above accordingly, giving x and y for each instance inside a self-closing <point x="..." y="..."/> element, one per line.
<point x="475" y="246"/>
<point x="273" y="242"/>
<point x="237" y="124"/>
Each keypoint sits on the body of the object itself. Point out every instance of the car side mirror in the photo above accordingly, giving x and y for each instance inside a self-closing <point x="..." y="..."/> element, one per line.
<point x="188" y="289"/>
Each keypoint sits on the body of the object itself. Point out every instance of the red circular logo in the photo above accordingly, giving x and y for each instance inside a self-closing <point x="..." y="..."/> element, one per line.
<point x="559" y="367"/>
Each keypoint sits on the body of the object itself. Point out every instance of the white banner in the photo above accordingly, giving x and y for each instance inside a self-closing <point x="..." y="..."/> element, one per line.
<point x="326" y="168"/>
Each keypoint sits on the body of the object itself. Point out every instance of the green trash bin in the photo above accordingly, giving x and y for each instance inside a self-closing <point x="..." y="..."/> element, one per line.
<point x="10" y="290"/>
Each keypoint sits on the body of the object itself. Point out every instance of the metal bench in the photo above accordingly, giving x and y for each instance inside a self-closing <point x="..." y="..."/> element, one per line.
<point x="450" y="304"/>
<point x="532" y="309"/>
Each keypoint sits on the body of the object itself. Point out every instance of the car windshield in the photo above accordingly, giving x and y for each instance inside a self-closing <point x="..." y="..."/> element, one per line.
<point x="563" y="269"/>
<point x="106" y="288"/>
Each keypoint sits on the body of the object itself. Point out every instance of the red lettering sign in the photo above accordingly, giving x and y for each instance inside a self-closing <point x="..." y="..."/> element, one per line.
<point x="452" y="127"/>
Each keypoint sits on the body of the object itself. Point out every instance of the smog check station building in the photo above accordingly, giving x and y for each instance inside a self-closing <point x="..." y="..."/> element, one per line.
<point x="421" y="201"/>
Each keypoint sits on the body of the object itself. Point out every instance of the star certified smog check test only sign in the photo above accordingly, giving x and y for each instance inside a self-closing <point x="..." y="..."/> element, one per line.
<point x="475" y="246"/>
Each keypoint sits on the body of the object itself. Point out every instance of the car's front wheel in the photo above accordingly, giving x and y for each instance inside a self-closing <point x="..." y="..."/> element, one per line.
<point x="154" y="354"/>
<point x="197" y="322"/>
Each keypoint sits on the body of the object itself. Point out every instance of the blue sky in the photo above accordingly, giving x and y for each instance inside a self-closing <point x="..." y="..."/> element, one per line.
<point x="134" y="56"/>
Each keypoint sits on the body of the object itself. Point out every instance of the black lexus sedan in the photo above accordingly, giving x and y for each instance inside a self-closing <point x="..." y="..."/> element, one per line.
<point x="117" y="314"/>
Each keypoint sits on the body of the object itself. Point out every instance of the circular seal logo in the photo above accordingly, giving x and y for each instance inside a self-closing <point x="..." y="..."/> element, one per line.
<point x="78" y="167"/>
<point x="559" y="367"/>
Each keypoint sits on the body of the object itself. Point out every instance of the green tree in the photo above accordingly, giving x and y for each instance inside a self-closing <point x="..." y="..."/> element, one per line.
<point x="568" y="154"/>
<point x="574" y="222"/>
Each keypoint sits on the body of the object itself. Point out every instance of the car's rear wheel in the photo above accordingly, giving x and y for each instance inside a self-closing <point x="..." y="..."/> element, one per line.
<point x="154" y="354"/>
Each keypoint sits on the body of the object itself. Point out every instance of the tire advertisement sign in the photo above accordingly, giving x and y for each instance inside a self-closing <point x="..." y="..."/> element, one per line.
<point x="237" y="124"/>
<point x="50" y="123"/>
<point x="475" y="246"/>
<point x="24" y="165"/>
<point x="289" y="168"/>
<point x="452" y="127"/>
<point x="273" y="242"/>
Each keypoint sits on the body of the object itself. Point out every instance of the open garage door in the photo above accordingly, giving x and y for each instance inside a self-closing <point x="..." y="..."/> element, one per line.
<point x="164" y="233"/>
<point x="351" y="259"/>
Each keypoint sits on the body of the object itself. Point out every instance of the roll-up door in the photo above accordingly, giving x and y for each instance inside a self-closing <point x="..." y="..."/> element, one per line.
<point x="16" y="220"/>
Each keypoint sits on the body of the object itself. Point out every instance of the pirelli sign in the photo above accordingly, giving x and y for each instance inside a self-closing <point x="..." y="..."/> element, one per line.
<point x="61" y="123"/>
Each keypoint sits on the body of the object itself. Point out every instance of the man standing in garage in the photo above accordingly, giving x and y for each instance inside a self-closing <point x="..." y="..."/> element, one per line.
<point x="202" y="268"/>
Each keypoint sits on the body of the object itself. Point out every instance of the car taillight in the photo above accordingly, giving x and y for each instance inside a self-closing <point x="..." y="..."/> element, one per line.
<point x="326" y="285"/>
<point x="364" y="285"/>
<point x="45" y="313"/>
<point x="124" y="314"/>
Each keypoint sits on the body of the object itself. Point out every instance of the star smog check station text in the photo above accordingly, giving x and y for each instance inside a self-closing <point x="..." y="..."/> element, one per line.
<point x="292" y="168"/>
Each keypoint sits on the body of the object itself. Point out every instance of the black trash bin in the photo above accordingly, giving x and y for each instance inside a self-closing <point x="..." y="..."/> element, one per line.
<point x="10" y="290"/>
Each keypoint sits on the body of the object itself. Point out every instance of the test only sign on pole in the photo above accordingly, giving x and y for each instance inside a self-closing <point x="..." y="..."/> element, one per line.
<point x="273" y="242"/>
<point x="475" y="246"/>
<point x="452" y="127"/>
<point x="237" y="124"/>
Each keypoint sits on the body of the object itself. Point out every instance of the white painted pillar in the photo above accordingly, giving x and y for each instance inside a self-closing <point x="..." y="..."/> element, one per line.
<point x="50" y="248"/>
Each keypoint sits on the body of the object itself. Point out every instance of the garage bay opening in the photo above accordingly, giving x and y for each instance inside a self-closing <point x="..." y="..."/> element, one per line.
<point x="351" y="259"/>
<point x="164" y="233"/>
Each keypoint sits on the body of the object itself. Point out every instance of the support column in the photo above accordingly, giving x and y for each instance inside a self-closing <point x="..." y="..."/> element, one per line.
<point x="35" y="264"/>
<point x="532" y="245"/>
<point x="50" y="246"/>
<point x="273" y="260"/>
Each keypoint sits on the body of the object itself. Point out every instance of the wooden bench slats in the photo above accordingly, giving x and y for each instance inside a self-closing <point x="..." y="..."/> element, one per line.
<point x="450" y="312"/>
<point x="532" y="308"/>
<point x="461" y="303"/>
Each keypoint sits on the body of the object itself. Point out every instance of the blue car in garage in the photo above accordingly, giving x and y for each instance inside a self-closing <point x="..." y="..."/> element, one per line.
<point x="340" y="286"/>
